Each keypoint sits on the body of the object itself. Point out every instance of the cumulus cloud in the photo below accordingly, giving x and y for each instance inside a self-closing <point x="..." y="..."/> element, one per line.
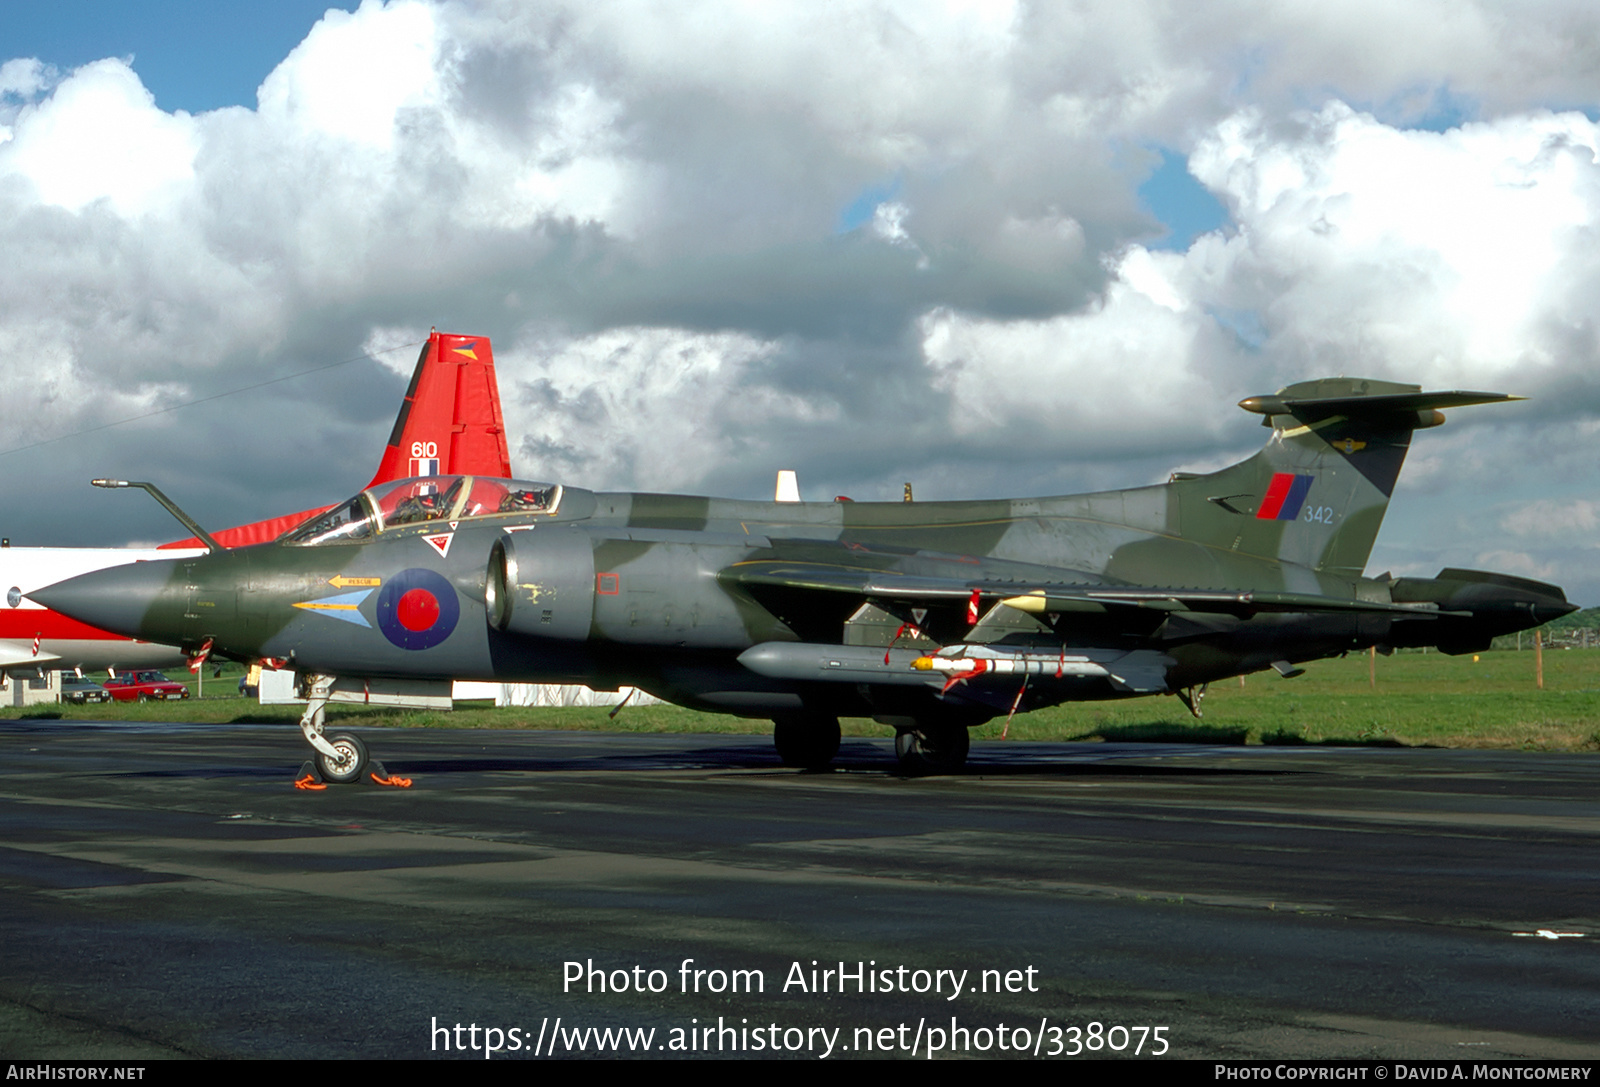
<point x="1135" y="353"/>
<point x="100" y="137"/>
<point x="1520" y="563"/>
<point x="1438" y="258"/>
<point x="652" y="408"/>
<point x="1546" y="518"/>
<point x="1452" y="254"/>
<point x="354" y="75"/>
<point x="643" y="207"/>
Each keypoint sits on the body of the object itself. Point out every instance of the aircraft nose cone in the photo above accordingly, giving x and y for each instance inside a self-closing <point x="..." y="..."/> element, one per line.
<point x="121" y="599"/>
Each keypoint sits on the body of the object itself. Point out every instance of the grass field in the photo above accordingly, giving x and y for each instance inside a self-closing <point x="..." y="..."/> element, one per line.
<point x="1421" y="699"/>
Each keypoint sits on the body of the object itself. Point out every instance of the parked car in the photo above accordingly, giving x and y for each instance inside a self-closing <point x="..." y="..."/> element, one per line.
<point x="144" y="686"/>
<point x="75" y="688"/>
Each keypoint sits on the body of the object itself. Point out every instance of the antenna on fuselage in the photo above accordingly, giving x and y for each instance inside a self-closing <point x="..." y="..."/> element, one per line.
<point x="788" y="486"/>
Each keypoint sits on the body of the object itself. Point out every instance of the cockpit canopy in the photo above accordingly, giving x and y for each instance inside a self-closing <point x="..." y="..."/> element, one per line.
<point x="416" y="501"/>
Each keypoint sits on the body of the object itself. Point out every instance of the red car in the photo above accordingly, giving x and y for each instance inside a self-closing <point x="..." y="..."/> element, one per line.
<point x="143" y="686"/>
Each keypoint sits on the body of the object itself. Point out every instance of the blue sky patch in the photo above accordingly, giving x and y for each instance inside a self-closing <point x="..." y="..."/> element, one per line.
<point x="1245" y="325"/>
<point x="1184" y="206"/>
<point x="218" y="58"/>
<point x="859" y="211"/>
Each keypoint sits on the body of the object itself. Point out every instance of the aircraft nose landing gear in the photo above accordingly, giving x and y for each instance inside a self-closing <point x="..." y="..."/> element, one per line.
<point x="340" y="759"/>
<point x="348" y="764"/>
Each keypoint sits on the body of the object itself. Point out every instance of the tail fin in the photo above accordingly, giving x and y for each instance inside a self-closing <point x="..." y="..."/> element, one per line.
<point x="450" y="421"/>
<point x="449" y="424"/>
<point x="1316" y="493"/>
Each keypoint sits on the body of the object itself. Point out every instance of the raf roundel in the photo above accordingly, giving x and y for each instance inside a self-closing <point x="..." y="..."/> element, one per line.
<point x="418" y="609"/>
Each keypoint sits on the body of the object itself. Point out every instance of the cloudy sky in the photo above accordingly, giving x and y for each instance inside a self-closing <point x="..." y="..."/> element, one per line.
<point x="987" y="247"/>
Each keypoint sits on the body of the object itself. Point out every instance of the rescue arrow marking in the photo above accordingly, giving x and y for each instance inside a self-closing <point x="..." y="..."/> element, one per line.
<point x="341" y="582"/>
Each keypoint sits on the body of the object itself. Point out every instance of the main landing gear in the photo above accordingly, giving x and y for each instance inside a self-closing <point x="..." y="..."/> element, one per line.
<point x="1191" y="698"/>
<point x="807" y="740"/>
<point x="339" y="759"/>
<point x="932" y="748"/>
<point x="810" y="741"/>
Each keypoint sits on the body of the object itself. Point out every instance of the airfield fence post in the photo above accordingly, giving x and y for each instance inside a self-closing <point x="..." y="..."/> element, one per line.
<point x="1372" y="667"/>
<point x="1538" y="659"/>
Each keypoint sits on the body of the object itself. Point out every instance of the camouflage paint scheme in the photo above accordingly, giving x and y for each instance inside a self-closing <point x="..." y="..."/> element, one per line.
<point x="804" y="612"/>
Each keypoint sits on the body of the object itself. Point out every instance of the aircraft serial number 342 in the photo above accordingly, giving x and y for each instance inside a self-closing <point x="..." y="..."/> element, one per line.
<point x="929" y="617"/>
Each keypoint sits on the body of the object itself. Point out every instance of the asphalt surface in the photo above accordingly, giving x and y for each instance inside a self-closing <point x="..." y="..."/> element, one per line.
<point x="164" y="891"/>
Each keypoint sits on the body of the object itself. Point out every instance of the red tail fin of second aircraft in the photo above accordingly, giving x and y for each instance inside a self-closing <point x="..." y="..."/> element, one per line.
<point x="449" y="424"/>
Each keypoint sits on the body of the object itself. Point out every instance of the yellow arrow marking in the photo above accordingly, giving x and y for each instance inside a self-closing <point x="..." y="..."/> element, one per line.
<point x="341" y="581"/>
<point x="328" y="607"/>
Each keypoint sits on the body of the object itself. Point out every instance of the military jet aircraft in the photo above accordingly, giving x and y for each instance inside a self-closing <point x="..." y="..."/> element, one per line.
<point x="929" y="617"/>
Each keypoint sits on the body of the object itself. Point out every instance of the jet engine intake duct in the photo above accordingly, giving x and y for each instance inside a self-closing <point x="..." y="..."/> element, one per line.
<point x="540" y="583"/>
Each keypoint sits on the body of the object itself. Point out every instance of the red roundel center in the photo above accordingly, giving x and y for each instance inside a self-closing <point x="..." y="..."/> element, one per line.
<point x="417" y="610"/>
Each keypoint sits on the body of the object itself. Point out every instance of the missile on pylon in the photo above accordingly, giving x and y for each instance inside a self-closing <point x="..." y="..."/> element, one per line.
<point x="1138" y="671"/>
<point x="967" y="665"/>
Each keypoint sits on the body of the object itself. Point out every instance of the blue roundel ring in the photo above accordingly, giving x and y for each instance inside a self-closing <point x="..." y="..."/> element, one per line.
<point x="417" y="609"/>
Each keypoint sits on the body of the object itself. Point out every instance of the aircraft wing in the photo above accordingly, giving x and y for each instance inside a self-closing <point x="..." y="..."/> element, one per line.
<point x="15" y="654"/>
<point x="1040" y="593"/>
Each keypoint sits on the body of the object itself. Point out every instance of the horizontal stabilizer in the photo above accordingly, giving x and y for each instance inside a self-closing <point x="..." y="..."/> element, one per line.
<point x="1288" y="402"/>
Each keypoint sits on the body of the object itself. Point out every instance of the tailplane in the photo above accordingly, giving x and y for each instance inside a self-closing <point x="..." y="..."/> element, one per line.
<point x="1316" y="493"/>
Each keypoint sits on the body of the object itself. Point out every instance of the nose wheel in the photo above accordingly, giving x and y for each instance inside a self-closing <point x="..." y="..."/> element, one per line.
<point x="349" y="760"/>
<point x="339" y="759"/>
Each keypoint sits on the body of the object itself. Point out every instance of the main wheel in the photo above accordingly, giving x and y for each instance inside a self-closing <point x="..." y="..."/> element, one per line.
<point x="350" y="764"/>
<point x="809" y="741"/>
<point x="932" y="749"/>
